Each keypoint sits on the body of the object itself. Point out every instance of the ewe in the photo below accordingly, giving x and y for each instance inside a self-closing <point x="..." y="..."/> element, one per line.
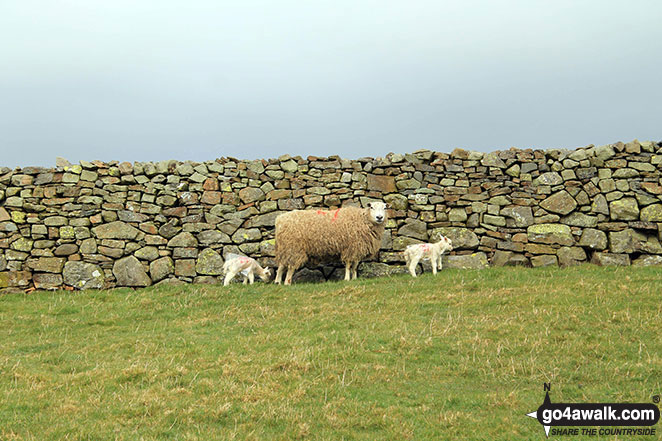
<point x="351" y="233"/>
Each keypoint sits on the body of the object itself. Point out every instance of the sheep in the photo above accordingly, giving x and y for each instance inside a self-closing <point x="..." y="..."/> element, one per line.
<point x="433" y="251"/>
<point x="248" y="267"/>
<point x="350" y="233"/>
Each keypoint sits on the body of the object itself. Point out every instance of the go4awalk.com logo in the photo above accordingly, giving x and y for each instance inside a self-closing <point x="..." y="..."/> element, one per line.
<point x="621" y="419"/>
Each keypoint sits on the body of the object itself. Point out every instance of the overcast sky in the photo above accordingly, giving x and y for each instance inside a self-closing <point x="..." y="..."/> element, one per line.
<point x="146" y="80"/>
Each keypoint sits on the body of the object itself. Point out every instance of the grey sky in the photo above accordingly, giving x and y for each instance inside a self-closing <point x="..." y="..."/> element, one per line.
<point x="143" y="80"/>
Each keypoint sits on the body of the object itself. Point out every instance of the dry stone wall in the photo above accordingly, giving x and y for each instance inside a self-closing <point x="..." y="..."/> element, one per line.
<point x="101" y="225"/>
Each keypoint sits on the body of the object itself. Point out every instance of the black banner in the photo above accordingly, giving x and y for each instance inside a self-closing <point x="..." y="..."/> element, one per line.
<point x="597" y="414"/>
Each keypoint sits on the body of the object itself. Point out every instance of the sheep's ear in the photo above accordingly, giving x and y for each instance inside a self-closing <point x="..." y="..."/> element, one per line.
<point x="388" y="206"/>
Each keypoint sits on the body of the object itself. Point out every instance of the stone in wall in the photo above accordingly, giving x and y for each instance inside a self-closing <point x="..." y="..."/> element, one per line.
<point x="465" y="261"/>
<point x="161" y="268"/>
<point x="128" y="271"/>
<point x="83" y="275"/>
<point x="209" y="263"/>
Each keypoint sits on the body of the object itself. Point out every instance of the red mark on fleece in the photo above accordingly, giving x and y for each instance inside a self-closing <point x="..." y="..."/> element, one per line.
<point x="335" y="214"/>
<point x="425" y="247"/>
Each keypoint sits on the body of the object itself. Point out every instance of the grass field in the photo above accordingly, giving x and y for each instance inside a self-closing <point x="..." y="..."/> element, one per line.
<point x="460" y="356"/>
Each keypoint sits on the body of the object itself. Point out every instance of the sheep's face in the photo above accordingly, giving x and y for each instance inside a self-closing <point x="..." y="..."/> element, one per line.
<point x="266" y="275"/>
<point x="377" y="212"/>
<point x="445" y="244"/>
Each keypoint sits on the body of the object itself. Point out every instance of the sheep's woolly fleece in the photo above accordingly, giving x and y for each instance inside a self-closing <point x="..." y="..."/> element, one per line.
<point x="347" y="233"/>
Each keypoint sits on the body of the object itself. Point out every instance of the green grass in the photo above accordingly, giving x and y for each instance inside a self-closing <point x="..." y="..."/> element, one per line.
<point x="459" y="356"/>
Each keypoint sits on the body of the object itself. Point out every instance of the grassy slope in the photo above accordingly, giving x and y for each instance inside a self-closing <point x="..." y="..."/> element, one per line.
<point x="460" y="355"/>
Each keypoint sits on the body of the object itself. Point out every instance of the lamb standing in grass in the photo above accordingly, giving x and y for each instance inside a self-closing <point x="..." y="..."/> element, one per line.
<point x="432" y="251"/>
<point x="247" y="266"/>
<point x="351" y="233"/>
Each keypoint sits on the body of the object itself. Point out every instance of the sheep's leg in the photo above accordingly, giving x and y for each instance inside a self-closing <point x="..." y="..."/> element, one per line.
<point x="288" y="277"/>
<point x="412" y="266"/>
<point x="433" y="261"/>
<point x="228" y="276"/>
<point x="407" y="259"/>
<point x="251" y="277"/>
<point x="348" y="275"/>
<point x="440" y="261"/>
<point x="355" y="265"/>
<point x="279" y="274"/>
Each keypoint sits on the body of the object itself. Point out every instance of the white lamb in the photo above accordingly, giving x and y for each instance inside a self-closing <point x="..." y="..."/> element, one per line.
<point x="432" y="251"/>
<point x="247" y="266"/>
